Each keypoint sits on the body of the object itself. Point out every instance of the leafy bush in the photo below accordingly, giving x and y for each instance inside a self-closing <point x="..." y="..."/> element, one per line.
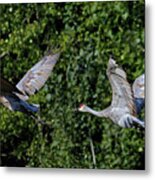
<point x="87" y="33"/>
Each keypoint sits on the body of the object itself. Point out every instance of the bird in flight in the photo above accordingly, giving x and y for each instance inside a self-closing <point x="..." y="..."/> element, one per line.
<point x="122" y="110"/>
<point x="15" y="97"/>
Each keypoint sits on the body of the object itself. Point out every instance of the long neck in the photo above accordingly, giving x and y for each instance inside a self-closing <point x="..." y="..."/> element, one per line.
<point x="103" y="113"/>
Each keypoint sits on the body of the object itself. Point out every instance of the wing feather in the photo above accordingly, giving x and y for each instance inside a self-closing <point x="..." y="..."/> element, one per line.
<point x="139" y="87"/>
<point x="122" y="95"/>
<point x="36" y="77"/>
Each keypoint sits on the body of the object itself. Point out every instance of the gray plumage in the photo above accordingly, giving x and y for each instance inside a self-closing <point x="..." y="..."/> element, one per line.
<point x="122" y="110"/>
<point x="139" y="87"/>
<point x="139" y="93"/>
<point x="14" y="97"/>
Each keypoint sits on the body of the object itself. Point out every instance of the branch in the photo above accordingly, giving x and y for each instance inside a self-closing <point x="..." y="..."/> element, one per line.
<point x="93" y="152"/>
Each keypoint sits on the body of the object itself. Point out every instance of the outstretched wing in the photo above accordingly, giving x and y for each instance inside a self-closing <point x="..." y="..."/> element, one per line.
<point x="35" y="78"/>
<point x="121" y="90"/>
<point x="139" y="87"/>
<point x="139" y="92"/>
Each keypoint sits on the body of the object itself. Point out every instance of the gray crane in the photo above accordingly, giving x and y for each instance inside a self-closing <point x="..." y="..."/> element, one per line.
<point x="122" y="110"/>
<point x="15" y="97"/>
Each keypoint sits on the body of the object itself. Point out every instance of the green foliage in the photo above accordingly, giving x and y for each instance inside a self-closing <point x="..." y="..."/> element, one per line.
<point x="87" y="34"/>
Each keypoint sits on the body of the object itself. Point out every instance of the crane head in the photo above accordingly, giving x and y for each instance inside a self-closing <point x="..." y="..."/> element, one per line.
<point x="82" y="107"/>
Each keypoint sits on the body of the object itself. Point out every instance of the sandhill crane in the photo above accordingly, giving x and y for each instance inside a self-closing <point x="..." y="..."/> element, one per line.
<point x="14" y="97"/>
<point x="122" y="110"/>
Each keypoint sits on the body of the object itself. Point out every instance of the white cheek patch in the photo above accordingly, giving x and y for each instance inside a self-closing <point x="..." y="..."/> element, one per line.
<point x="80" y="108"/>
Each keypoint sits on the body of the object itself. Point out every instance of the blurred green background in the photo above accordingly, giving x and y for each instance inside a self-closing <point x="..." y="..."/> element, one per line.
<point x="87" y="33"/>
